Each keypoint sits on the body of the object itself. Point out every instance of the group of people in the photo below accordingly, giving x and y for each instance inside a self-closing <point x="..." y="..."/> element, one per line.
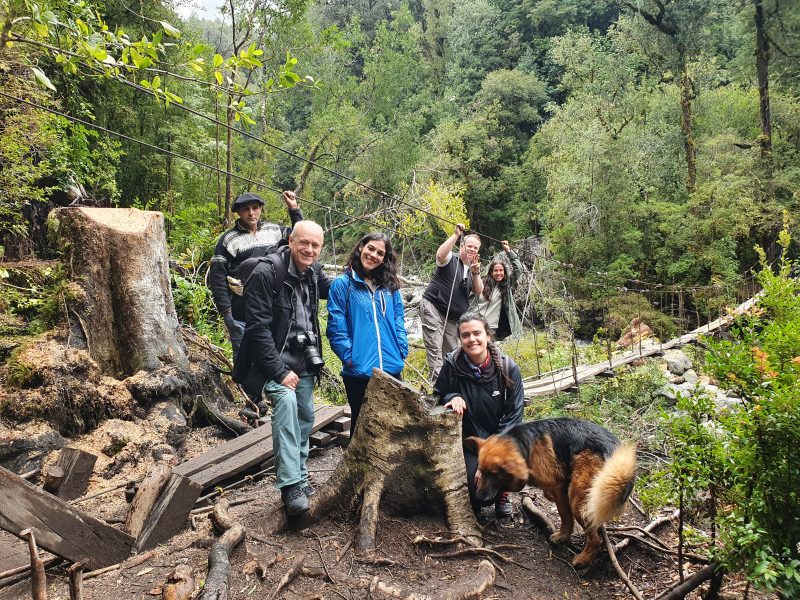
<point x="266" y="283"/>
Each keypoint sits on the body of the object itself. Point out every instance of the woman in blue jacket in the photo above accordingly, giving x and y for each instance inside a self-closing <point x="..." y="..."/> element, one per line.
<point x="364" y="304"/>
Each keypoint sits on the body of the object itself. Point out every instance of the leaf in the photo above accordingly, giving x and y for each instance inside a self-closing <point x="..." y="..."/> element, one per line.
<point x="217" y="60"/>
<point x="144" y="571"/>
<point x="42" y="78"/>
<point x="41" y="28"/>
<point x="156" y="82"/>
<point x="170" y="30"/>
<point x="218" y="77"/>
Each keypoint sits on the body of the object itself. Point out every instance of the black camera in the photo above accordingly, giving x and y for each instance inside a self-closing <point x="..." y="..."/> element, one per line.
<point x="307" y="342"/>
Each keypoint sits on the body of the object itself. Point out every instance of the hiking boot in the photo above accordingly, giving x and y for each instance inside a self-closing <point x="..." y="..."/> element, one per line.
<point x="294" y="499"/>
<point x="502" y="506"/>
<point x="308" y="489"/>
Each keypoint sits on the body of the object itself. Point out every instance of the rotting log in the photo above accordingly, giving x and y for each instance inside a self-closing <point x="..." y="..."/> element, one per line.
<point x="405" y="455"/>
<point x="219" y="566"/>
<point x="118" y="258"/>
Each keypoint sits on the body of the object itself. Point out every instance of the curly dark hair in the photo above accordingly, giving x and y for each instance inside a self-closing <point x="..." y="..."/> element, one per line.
<point x="384" y="275"/>
<point x="489" y="283"/>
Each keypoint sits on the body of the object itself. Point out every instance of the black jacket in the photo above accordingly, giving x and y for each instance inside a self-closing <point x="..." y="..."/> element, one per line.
<point x="491" y="407"/>
<point x="268" y="314"/>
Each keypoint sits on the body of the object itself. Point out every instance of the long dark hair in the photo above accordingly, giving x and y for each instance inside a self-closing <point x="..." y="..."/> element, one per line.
<point x="489" y="283"/>
<point x="384" y="275"/>
<point x="493" y="350"/>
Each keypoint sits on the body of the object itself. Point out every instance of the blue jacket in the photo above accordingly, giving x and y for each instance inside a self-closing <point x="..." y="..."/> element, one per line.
<point x="366" y="330"/>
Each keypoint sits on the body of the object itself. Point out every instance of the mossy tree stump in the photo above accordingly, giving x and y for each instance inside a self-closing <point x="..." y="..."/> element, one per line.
<point x="405" y="454"/>
<point x="118" y="259"/>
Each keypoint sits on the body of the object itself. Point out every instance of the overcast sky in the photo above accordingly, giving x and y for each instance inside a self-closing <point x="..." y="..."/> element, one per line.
<point x="205" y="9"/>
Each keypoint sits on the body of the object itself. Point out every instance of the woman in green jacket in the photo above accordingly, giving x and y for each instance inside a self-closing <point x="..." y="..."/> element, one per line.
<point x="496" y="302"/>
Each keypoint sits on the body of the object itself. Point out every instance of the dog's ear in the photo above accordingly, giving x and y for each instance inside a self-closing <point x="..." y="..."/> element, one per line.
<point x="474" y="443"/>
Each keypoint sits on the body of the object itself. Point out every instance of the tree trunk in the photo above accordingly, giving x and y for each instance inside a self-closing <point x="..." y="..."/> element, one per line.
<point x="762" y="73"/>
<point x="405" y="454"/>
<point x="120" y="294"/>
<point x="690" y="146"/>
<point x="228" y="160"/>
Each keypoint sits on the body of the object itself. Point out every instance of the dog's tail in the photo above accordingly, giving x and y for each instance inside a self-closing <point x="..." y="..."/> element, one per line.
<point x="611" y="487"/>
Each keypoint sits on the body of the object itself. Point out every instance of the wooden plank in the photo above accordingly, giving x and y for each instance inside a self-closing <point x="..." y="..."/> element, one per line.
<point x="237" y="455"/>
<point x="13" y="552"/>
<point x="77" y="466"/>
<point x="146" y="497"/>
<point x="170" y="513"/>
<point x="340" y="424"/>
<point x="60" y="528"/>
<point x="321" y="438"/>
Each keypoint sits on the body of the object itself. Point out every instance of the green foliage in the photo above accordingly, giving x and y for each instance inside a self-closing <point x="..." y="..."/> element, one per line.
<point x="195" y="307"/>
<point x="748" y="457"/>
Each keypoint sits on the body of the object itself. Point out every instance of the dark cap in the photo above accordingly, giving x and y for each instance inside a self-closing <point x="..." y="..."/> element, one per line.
<point x="245" y="199"/>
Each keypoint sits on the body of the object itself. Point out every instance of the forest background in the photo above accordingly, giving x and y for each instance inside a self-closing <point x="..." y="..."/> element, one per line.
<point x="635" y="153"/>
<point x="651" y="142"/>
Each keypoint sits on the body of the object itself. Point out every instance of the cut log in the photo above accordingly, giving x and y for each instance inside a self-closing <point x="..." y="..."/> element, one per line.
<point x="146" y="497"/>
<point x="406" y="455"/>
<point x="77" y="466"/>
<point x="170" y="513"/>
<point x="60" y="528"/>
<point x="53" y="476"/>
<point x="119" y="259"/>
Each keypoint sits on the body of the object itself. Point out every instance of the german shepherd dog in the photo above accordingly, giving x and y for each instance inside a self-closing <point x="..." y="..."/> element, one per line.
<point x="580" y="466"/>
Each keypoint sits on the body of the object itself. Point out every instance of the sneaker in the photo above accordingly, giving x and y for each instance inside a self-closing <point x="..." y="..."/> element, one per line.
<point x="294" y="499"/>
<point x="502" y="506"/>
<point x="308" y="489"/>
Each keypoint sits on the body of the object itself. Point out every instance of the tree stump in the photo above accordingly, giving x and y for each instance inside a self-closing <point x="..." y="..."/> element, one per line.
<point x="405" y="454"/>
<point x="124" y="308"/>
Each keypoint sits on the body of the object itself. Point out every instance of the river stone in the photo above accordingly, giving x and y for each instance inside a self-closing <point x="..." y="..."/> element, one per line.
<point x="677" y="362"/>
<point x="690" y="376"/>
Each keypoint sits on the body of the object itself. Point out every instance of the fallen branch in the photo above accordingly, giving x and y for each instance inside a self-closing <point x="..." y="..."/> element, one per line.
<point x="421" y="539"/>
<point x="216" y="417"/>
<point x="180" y="584"/>
<point x="128" y="564"/>
<point x="540" y="519"/>
<point x="634" y="590"/>
<point x="680" y="591"/>
<point x="695" y="558"/>
<point x="479" y="551"/>
<point x="207" y="509"/>
<point x="219" y="565"/>
<point x="294" y="569"/>
<point x="650" y="527"/>
<point x="38" y="579"/>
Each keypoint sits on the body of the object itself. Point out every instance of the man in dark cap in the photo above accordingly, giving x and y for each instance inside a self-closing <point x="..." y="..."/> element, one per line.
<point x="248" y="238"/>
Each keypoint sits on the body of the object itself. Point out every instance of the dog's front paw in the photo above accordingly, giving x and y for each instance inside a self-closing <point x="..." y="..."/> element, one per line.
<point x="582" y="561"/>
<point x="559" y="538"/>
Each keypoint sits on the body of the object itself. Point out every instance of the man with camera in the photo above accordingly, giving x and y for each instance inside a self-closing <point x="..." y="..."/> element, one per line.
<point x="281" y="352"/>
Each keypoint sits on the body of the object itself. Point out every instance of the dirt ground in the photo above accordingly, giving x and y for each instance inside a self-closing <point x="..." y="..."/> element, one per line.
<point x="534" y="570"/>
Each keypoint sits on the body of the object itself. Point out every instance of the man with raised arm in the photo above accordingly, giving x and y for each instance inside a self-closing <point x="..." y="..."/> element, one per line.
<point x="447" y="296"/>
<point x="248" y="238"/>
<point x="281" y="352"/>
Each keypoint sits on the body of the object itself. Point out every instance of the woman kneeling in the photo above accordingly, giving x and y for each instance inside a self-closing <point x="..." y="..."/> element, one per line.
<point x="484" y="386"/>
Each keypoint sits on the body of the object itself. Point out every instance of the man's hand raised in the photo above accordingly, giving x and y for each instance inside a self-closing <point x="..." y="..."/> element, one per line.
<point x="290" y="198"/>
